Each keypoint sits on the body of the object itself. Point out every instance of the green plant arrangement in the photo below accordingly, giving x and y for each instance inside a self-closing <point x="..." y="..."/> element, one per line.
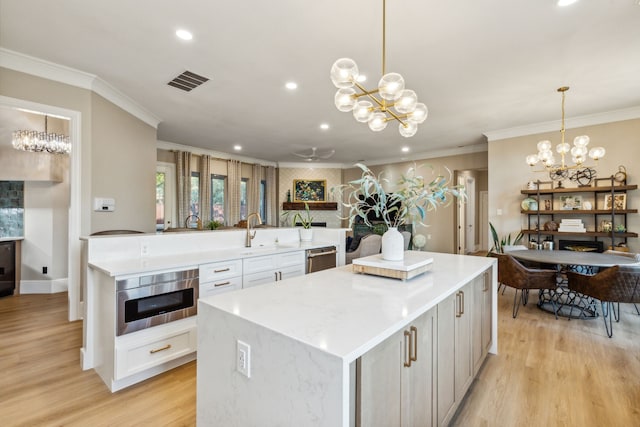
<point x="500" y="243"/>
<point x="411" y="201"/>
<point x="214" y="225"/>
<point x="303" y="218"/>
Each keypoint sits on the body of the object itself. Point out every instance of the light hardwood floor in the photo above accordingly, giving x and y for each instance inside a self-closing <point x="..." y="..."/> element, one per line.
<point x="548" y="373"/>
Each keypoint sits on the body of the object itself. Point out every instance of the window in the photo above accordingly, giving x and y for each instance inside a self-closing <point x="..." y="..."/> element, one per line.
<point x="165" y="195"/>
<point x="218" y="183"/>
<point x="243" y="198"/>
<point x="263" y="204"/>
<point x="194" y="204"/>
<point x="160" y="200"/>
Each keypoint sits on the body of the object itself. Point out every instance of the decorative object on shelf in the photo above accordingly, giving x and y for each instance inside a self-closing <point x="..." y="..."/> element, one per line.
<point x="578" y="152"/>
<point x="309" y="190"/>
<point x="583" y="177"/>
<point x="288" y="196"/>
<point x="621" y="175"/>
<point x="393" y="101"/>
<point x="34" y="141"/>
<point x="314" y="156"/>
<point x="416" y="196"/>
<point x="547" y="205"/>
<point x="587" y="206"/>
<point x="419" y="241"/>
<point x="550" y="226"/>
<point x="529" y="204"/>
<point x="531" y="185"/>
<point x="605" y="226"/>
<point x="571" y="202"/>
<point x="620" y="228"/>
<point x="616" y="202"/>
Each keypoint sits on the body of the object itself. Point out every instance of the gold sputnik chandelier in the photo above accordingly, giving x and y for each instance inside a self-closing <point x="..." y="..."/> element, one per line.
<point x="390" y="101"/>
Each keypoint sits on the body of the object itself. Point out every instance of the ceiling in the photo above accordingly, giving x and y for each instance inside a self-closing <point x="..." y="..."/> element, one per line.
<point x="478" y="65"/>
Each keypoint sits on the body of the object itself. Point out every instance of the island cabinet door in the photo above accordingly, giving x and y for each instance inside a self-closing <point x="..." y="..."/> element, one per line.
<point x="454" y="369"/>
<point x="395" y="379"/>
<point x="481" y="323"/>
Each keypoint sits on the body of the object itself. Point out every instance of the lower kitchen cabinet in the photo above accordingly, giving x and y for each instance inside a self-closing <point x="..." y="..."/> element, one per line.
<point x="482" y="305"/>
<point x="395" y="380"/>
<point x="272" y="268"/>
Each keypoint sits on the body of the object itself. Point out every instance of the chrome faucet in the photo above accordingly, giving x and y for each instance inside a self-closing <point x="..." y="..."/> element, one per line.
<point x="249" y="235"/>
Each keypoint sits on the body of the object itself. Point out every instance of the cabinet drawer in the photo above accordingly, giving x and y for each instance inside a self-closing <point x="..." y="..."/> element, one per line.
<point x="131" y="359"/>
<point x="220" y="270"/>
<point x="260" y="278"/>
<point x="291" y="271"/>
<point x="259" y="263"/>
<point x="220" y="286"/>
<point x="291" y="258"/>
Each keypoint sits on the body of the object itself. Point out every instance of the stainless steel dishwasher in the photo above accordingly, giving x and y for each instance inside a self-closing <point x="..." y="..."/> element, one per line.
<point x="319" y="259"/>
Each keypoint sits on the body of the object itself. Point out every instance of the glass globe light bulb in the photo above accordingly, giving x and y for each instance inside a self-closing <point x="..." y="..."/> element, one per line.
<point x="581" y="141"/>
<point x="563" y="148"/>
<point x="377" y="122"/>
<point x="419" y="114"/>
<point x="344" y="99"/>
<point x="578" y="160"/>
<point x="532" y="159"/>
<point x="343" y="73"/>
<point x="550" y="161"/>
<point x="596" y="153"/>
<point x="362" y="111"/>
<point x="544" y="155"/>
<point x="408" y="130"/>
<point x="579" y="151"/>
<point x="544" y="145"/>
<point x="407" y="102"/>
<point x="391" y="86"/>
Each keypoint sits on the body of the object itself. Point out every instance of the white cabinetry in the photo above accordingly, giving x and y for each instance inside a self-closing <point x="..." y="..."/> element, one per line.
<point x="395" y="379"/>
<point x="482" y="305"/>
<point x="219" y="277"/>
<point x="271" y="268"/>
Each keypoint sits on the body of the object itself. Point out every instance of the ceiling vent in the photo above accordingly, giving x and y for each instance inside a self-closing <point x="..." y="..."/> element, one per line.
<point x="187" y="81"/>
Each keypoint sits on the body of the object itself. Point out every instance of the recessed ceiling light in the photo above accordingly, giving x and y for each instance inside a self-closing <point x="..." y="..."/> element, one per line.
<point x="237" y="147"/>
<point x="184" y="34"/>
<point x="324" y="126"/>
<point x="291" y="85"/>
<point x="405" y="149"/>
<point x="563" y="3"/>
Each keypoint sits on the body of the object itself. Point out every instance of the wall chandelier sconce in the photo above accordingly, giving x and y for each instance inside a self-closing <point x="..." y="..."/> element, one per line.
<point x="390" y="101"/>
<point x="579" y="151"/>
<point x="37" y="142"/>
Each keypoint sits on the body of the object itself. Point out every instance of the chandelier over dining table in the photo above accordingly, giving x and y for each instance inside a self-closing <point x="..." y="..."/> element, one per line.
<point x="34" y="141"/>
<point x="389" y="101"/>
<point x="579" y="152"/>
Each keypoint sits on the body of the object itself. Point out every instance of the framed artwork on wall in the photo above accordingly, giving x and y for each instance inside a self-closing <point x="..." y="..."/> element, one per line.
<point x="310" y="190"/>
<point x="617" y="201"/>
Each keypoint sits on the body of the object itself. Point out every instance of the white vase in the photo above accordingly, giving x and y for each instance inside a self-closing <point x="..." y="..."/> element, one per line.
<point x="306" y="234"/>
<point x="392" y="245"/>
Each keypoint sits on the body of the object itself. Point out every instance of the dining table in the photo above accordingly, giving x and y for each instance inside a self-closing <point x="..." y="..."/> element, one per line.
<point x="562" y="301"/>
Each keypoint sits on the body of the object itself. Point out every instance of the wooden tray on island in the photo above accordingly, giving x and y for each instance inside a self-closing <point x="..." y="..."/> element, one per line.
<point x="414" y="264"/>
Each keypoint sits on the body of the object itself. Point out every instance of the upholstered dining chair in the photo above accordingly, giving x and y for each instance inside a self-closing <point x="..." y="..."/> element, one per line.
<point x="515" y="275"/>
<point x="615" y="285"/>
<point x="369" y="245"/>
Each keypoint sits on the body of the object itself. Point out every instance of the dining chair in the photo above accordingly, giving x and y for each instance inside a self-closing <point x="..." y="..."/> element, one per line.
<point x="369" y="245"/>
<point x="509" y="248"/>
<point x="615" y="285"/>
<point x="515" y="275"/>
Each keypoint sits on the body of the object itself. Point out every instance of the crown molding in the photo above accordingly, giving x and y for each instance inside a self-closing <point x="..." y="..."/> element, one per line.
<point x="172" y="146"/>
<point x="576" y="122"/>
<point x="311" y="165"/>
<point x="433" y="154"/>
<point x="51" y="71"/>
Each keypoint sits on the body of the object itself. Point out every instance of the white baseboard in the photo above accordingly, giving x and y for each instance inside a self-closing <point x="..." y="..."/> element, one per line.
<point x="44" y="286"/>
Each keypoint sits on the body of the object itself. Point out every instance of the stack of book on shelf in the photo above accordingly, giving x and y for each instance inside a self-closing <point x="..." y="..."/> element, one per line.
<point x="572" y="226"/>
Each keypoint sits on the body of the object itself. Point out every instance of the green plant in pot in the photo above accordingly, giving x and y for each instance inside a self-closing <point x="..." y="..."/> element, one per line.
<point x="366" y="197"/>
<point x="304" y="218"/>
<point x="500" y="242"/>
<point x="214" y="225"/>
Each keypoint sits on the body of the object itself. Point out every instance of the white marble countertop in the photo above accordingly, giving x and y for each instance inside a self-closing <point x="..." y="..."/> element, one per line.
<point x="10" y="239"/>
<point x="346" y="314"/>
<point x="143" y="265"/>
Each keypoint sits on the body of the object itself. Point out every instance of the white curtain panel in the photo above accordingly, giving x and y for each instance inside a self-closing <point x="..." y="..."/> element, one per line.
<point x="183" y="166"/>
<point x="253" y="189"/>
<point x="234" y="176"/>
<point x="271" y="198"/>
<point x="205" y="188"/>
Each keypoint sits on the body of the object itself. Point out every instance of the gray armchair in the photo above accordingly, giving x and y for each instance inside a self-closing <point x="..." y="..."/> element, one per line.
<point x="369" y="245"/>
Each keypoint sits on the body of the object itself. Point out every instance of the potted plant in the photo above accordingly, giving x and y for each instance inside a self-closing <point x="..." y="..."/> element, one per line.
<point x="305" y="219"/>
<point x="415" y="197"/>
<point x="500" y="243"/>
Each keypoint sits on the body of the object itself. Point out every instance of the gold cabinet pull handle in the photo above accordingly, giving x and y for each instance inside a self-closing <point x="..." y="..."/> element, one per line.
<point x="157" y="350"/>
<point x="407" y="351"/>
<point x="221" y="284"/>
<point x="414" y="334"/>
<point x="222" y="270"/>
<point x="462" y="304"/>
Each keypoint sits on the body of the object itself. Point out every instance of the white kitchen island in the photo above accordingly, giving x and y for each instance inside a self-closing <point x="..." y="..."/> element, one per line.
<point x="307" y="336"/>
